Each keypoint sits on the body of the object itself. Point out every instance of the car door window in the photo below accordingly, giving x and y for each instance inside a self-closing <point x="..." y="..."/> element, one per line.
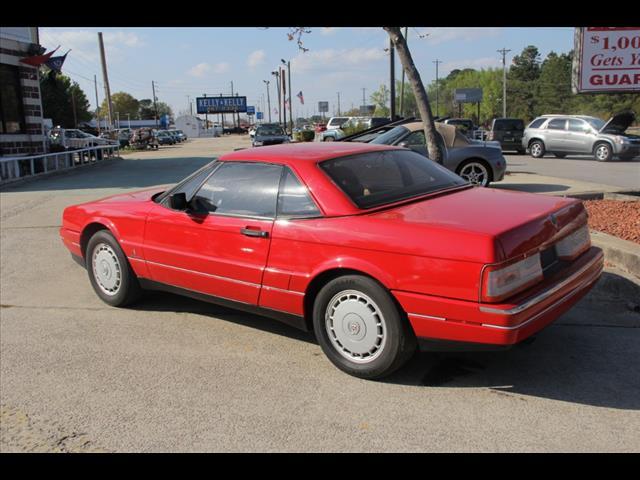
<point x="415" y="139"/>
<point x="294" y="199"/>
<point x="241" y="189"/>
<point x="557" y="124"/>
<point x="577" y="125"/>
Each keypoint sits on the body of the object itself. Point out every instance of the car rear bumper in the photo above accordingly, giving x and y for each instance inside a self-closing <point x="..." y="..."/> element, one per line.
<point x="437" y="318"/>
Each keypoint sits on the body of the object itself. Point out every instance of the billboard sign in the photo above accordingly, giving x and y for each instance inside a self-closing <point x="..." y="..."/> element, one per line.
<point x="251" y="110"/>
<point x="323" y="107"/>
<point x="366" y="110"/>
<point x="607" y="60"/>
<point x="259" y="115"/>
<point x="221" y="104"/>
<point x="467" y="95"/>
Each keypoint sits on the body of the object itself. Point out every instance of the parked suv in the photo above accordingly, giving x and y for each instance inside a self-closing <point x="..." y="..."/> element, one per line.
<point x="509" y="132"/>
<point x="580" y="134"/>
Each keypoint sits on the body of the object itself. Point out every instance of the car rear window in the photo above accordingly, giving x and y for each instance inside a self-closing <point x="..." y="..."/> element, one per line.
<point x="378" y="178"/>
<point x="508" y="124"/>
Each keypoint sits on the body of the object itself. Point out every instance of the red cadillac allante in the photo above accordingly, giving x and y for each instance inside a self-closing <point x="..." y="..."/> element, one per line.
<point x="376" y="249"/>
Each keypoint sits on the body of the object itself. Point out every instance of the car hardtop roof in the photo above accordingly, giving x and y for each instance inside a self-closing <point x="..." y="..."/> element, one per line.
<point x="314" y="152"/>
<point x="555" y="115"/>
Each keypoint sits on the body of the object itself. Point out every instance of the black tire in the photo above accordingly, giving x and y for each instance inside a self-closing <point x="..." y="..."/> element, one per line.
<point x="126" y="289"/>
<point x="560" y="155"/>
<point x="476" y="163"/>
<point x="397" y="342"/>
<point x="537" y="149"/>
<point x="602" y="152"/>
<point x="329" y="138"/>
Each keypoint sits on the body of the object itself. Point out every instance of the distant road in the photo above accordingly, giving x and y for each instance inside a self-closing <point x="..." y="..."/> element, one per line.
<point x="579" y="167"/>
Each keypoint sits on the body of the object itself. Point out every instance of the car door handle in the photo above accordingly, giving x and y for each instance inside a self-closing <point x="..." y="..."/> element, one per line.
<point x="251" y="232"/>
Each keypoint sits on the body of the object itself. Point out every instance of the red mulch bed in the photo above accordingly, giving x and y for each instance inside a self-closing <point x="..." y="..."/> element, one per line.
<point x="618" y="218"/>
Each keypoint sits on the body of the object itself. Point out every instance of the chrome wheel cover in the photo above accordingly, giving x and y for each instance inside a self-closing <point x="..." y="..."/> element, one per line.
<point x="355" y="326"/>
<point x="475" y="173"/>
<point x="536" y="149"/>
<point x="602" y="152"/>
<point x="106" y="269"/>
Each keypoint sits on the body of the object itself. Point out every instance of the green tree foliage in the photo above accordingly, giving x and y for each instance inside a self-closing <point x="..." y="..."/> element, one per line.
<point x="122" y="103"/>
<point x="380" y="99"/>
<point x="146" y="110"/>
<point x="58" y="97"/>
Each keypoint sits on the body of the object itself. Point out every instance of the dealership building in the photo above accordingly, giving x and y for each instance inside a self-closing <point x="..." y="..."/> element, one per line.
<point x="21" y="129"/>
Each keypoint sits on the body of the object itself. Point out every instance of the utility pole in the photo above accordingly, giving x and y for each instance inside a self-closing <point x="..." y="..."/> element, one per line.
<point x="268" y="99"/>
<point x="437" y="62"/>
<point x="338" y="103"/>
<point x="363" y="101"/>
<point x="290" y="106"/>
<point x="155" y="105"/>
<point x="105" y="79"/>
<point x="504" y="81"/>
<point x="95" y="84"/>
<point x="206" y="116"/>
<point x="392" y="81"/>
<point x="73" y="103"/>
<point x="406" y="39"/>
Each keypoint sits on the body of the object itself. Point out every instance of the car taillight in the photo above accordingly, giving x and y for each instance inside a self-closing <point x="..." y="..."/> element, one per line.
<point x="502" y="281"/>
<point x="573" y="245"/>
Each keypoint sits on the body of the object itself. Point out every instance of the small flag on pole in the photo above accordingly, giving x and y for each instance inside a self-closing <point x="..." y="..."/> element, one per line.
<point x="300" y="97"/>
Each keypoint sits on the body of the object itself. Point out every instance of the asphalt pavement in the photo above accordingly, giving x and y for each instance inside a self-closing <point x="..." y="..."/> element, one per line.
<point x="176" y="374"/>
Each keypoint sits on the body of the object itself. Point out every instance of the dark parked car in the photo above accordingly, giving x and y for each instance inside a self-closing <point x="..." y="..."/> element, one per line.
<point x="508" y="131"/>
<point x="165" y="138"/>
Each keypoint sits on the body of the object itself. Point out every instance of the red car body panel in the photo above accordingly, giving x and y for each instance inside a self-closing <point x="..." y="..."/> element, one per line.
<point x="428" y="252"/>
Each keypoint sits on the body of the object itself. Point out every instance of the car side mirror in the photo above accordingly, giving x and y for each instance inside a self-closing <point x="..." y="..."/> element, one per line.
<point x="178" y="201"/>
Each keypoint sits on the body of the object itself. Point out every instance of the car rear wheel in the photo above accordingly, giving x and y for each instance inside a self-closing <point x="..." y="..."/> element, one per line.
<point x="537" y="149"/>
<point x="602" y="152"/>
<point x="475" y="172"/>
<point x="109" y="271"/>
<point x="360" y="328"/>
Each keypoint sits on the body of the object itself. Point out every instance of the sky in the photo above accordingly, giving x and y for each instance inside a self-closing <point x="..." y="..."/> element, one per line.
<point x="185" y="63"/>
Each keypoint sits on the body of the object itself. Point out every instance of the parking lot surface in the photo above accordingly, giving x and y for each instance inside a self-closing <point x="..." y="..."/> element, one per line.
<point x="175" y="374"/>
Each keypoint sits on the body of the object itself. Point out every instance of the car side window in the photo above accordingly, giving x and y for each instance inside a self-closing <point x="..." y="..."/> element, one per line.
<point x="576" y="125"/>
<point x="557" y="124"/>
<point x="294" y="199"/>
<point x="241" y="189"/>
<point x="416" y="139"/>
<point x="536" y="123"/>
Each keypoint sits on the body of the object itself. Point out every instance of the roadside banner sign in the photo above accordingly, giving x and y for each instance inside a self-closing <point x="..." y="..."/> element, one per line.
<point x="221" y="104"/>
<point x="251" y="110"/>
<point x="259" y="115"/>
<point x="606" y="59"/>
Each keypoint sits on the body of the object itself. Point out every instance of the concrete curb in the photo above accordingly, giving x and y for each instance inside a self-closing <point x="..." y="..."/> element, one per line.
<point x="622" y="253"/>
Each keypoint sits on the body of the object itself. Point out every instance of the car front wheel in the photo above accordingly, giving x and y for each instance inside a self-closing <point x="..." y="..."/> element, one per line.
<point x="360" y="328"/>
<point x="110" y="274"/>
<point x="603" y="152"/>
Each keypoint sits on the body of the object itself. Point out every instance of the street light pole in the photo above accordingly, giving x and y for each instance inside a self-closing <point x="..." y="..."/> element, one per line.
<point x="277" y="75"/>
<point x="288" y="64"/>
<point x="437" y="62"/>
<point x="268" y="99"/>
<point x="504" y="81"/>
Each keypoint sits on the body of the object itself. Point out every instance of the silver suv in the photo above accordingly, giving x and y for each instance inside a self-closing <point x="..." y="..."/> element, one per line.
<point x="580" y="134"/>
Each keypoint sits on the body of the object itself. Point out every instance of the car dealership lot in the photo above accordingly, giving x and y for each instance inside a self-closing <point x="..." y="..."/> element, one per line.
<point x="175" y="374"/>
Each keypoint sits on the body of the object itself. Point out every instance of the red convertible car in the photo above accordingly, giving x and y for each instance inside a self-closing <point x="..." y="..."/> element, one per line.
<point x="376" y="249"/>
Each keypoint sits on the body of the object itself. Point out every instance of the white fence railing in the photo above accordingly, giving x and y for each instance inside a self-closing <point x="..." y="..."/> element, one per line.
<point x="12" y="168"/>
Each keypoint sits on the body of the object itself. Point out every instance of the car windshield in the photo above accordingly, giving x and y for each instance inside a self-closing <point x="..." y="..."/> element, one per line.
<point x="508" y="124"/>
<point x="377" y="178"/>
<point x="390" y="137"/>
<point x="269" y="130"/>
<point x="595" y="122"/>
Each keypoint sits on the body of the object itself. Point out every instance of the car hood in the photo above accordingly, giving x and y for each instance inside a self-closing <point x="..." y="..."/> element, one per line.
<point x="138" y="196"/>
<point x="619" y="123"/>
<point x="483" y="224"/>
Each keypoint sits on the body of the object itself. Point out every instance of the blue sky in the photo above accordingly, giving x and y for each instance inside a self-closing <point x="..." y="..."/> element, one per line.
<point x="192" y="61"/>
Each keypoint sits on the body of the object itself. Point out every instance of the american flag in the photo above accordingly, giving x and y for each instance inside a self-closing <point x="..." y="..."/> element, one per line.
<point x="300" y="97"/>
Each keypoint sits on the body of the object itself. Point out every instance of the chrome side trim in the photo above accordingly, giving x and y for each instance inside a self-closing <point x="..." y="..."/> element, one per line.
<point x="547" y="293"/>
<point x="217" y="277"/>
<point x="427" y="316"/>
<point x="266" y="287"/>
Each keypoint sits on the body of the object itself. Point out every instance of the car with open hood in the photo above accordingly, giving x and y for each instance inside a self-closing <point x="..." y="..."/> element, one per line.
<point x="375" y="248"/>
<point x="563" y="135"/>
<point x="477" y="161"/>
